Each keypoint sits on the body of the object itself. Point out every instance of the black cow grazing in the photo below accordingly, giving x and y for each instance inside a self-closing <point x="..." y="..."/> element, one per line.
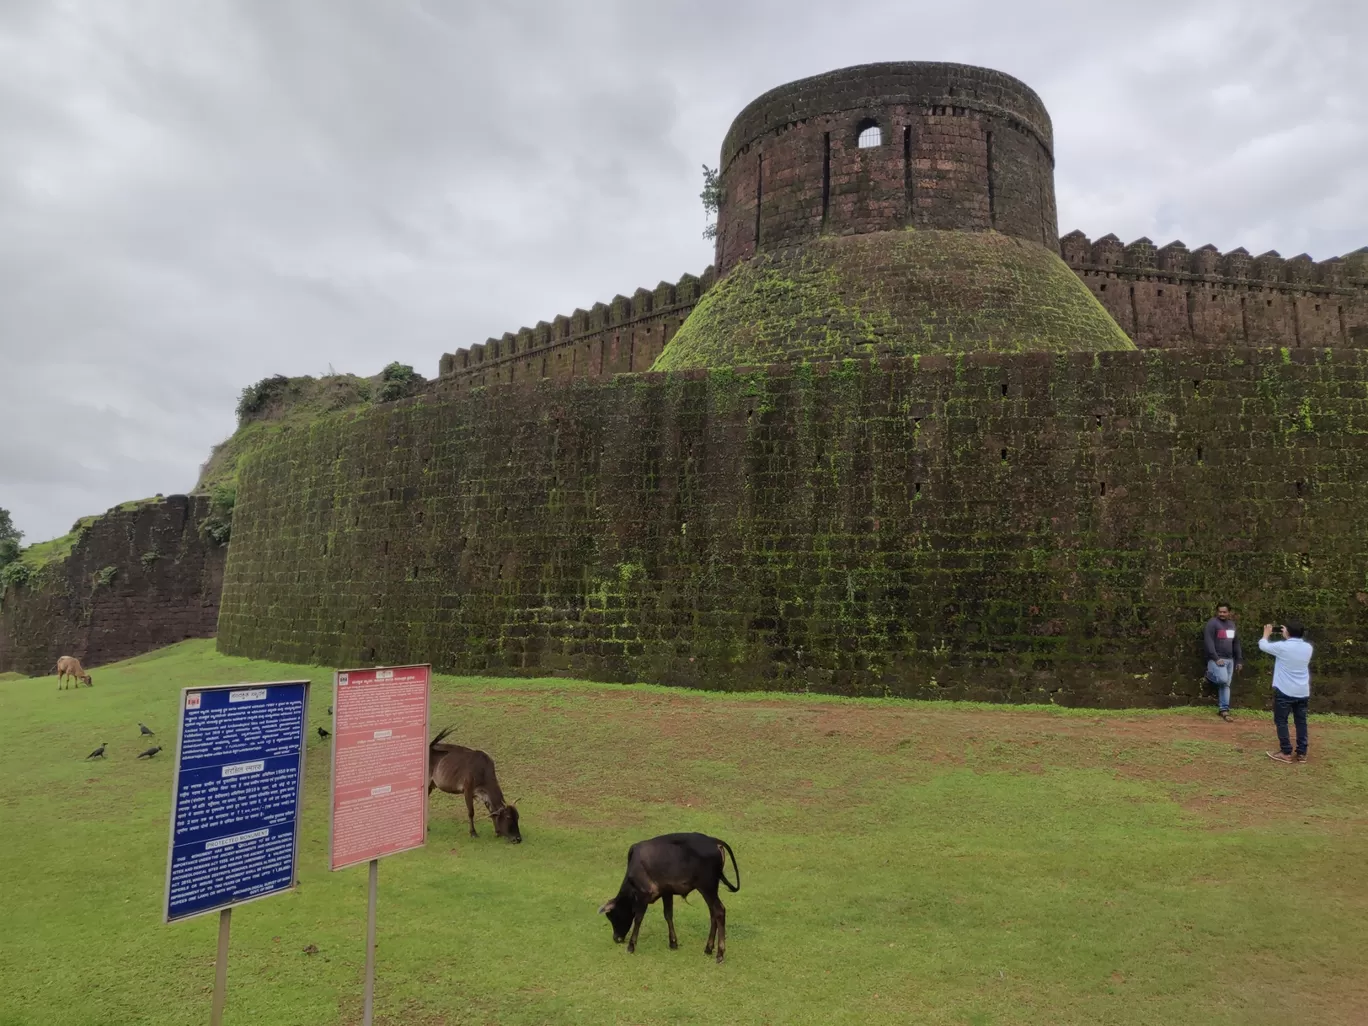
<point x="465" y="771"/>
<point x="663" y="867"/>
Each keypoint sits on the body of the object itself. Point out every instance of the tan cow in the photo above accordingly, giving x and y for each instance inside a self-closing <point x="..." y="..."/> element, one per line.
<point x="70" y="666"/>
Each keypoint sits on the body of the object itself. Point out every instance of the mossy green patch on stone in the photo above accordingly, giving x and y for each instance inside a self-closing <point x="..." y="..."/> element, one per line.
<point x="893" y="293"/>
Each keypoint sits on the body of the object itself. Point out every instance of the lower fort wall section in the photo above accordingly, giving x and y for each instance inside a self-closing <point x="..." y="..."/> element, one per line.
<point x="1013" y="528"/>
<point x="137" y="578"/>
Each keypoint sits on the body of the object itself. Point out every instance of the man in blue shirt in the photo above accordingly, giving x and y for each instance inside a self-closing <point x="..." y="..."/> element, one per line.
<point x="1291" y="686"/>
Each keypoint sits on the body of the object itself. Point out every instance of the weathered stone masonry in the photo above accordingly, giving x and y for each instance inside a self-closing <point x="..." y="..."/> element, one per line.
<point x="137" y="579"/>
<point x="1008" y="527"/>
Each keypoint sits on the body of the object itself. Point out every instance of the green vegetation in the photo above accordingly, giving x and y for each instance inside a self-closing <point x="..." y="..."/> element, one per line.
<point x="10" y="537"/>
<point x="894" y="293"/>
<point x="396" y="382"/>
<point x="15" y="573"/>
<point x="104" y="577"/>
<point x="712" y="199"/>
<point x="277" y="405"/>
<point x="900" y="862"/>
<point x="23" y="565"/>
<point x="218" y="525"/>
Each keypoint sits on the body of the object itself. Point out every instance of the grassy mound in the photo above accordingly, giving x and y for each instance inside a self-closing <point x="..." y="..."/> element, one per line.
<point x="900" y="862"/>
<point x="895" y="293"/>
<point x="281" y="404"/>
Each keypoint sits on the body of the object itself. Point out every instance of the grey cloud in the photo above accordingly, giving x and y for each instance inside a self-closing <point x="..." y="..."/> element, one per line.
<point x="193" y="196"/>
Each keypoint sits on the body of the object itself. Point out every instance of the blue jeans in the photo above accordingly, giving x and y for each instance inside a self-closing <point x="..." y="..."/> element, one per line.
<point x="1219" y="677"/>
<point x="1282" y="705"/>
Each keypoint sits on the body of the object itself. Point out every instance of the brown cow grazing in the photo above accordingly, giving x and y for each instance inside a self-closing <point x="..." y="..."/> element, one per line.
<point x="70" y="666"/>
<point x="468" y="772"/>
<point x="663" y="867"/>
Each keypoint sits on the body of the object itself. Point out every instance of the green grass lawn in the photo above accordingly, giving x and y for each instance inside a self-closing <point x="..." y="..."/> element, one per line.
<point x="900" y="862"/>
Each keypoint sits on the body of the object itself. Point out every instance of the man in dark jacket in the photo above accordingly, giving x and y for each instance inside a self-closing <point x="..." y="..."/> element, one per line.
<point x="1223" y="655"/>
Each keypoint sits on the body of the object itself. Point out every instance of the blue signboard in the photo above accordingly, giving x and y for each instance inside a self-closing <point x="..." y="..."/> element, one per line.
<point x="235" y="803"/>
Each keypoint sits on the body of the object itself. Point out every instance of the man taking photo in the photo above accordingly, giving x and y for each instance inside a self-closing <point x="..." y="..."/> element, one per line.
<point x="1223" y="655"/>
<point x="1291" y="686"/>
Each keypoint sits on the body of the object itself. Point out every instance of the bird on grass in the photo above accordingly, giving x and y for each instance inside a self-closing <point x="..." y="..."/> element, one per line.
<point x="99" y="752"/>
<point x="329" y="710"/>
<point x="324" y="733"/>
<point x="150" y="752"/>
<point x="145" y="730"/>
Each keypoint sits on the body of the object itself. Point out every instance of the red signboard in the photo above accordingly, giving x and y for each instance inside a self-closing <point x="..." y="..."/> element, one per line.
<point x="380" y="763"/>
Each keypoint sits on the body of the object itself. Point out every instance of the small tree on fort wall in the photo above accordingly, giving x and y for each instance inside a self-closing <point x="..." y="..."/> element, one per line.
<point x="712" y="199"/>
<point x="9" y="538"/>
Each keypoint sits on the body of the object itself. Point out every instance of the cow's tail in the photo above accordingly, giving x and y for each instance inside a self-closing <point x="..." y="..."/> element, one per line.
<point x="437" y="740"/>
<point x="735" y="868"/>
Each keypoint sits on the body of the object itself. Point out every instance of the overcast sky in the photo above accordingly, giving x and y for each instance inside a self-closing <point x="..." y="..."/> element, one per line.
<point x="196" y="194"/>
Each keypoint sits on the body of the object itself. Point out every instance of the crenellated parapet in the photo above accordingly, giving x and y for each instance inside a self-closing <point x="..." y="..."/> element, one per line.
<point x="1172" y="295"/>
<point x="621" y="336"/>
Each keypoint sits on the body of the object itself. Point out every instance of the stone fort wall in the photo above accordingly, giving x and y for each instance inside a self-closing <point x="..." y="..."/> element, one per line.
<point x="138" y="578"/>
<point x="1170" y="296"/>
<point x="1006" y="527"/>
<point x="1164" y="297"/>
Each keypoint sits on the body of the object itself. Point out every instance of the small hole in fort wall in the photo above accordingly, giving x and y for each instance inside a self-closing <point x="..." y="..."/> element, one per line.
<point x="1099" y="419"/>
<point x="1199" y="454"/>
<point x="1103" y="287"/>
<point x="1003" y="455"/>
<point x="1103" y="485"/>
<point x="1306" y="561"/>
<point x="749" y="414"/>
<point x="1160" y="292"/>
<point x="1318" y="308"/>
<point x="385" y="547"/>
<point x="1299" y="488"/>
<point x="418" y="519"/>
<point x="1196" y="386"/>
<point x="870" y="135"/>
<point x="1270" y="302"/>
<point x="1004" y="389"/>
<point x="916" y="488"/>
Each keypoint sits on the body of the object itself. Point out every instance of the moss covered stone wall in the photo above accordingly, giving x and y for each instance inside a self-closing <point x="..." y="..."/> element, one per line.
<point x="139" y="577"/>
<point x="1007" y="527"/>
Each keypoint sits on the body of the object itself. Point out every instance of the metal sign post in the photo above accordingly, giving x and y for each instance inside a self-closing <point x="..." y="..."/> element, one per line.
<point x="235" y="804"/>
<point x="369" y="1002"/>
<point x="221" y="969"/>
<point x="379" y="777"/>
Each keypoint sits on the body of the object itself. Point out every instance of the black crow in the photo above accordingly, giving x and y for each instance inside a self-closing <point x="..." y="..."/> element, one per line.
<point x="323" y="733"/>
<point x="99" y="752"/>
<point x="329" y="710"/>
<point x="150" y="752"/>
<point x="146" y="730"/>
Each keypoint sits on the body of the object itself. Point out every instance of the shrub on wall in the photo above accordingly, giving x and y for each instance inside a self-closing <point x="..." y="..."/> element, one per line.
<point x="217" y="527"/>
<point x="254" y="398"/>
<point x="15" y="573"/>
<point x="395" y="380"/>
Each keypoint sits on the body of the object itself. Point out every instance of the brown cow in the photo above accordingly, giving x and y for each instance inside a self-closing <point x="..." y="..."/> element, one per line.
<point x="465" y="771"/>
<point x="70" y="666"/>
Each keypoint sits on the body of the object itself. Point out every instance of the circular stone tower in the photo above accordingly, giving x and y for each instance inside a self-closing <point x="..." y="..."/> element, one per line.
<point x="889" y="208"/>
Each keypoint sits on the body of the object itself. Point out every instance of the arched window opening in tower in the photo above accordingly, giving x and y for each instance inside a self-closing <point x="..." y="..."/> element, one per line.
<point x="870" y="135"/>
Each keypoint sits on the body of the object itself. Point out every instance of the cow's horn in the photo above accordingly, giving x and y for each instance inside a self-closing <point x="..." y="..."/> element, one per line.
<point x="607" y="906"/>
